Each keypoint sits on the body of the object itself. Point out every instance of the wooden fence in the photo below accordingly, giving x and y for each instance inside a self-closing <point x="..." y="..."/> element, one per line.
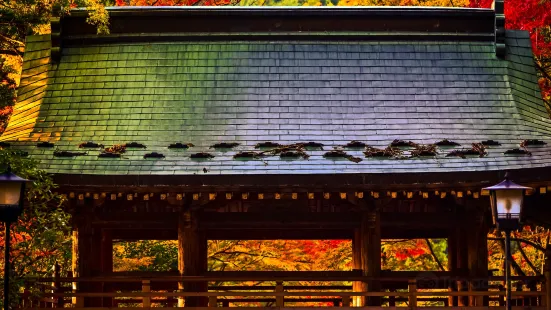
<point x="126" y="292"/>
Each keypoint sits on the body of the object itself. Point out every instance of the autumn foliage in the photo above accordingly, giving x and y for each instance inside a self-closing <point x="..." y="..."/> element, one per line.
<point x="533" y="16"/>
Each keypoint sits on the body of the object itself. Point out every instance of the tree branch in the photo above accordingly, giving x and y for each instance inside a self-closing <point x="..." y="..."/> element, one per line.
<point x="514" y="264"/>
<point x="534" y="269"/>
<point x="13" y="52"/>
<point x="434" y="255"/>
<point x="20" y="43"/>
<point x="542" y="70"/>
<point x="535" y="245"/>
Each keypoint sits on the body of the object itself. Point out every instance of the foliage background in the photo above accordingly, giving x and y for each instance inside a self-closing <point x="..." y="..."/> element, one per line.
<point x="41" y="237"/>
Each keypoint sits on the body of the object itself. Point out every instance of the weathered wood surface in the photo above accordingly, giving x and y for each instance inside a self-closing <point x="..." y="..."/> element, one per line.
<point x="147" y="297"/>
<point x="370" y="255"/>
<point x="276" y="294"/>
<point x="328" y="276"/>
<point x="192" y="257"/>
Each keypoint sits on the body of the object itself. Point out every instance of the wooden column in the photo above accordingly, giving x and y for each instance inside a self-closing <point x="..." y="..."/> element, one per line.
<point x="477" y="253"/>
<point x="107" y="263"/>
<point x="357" y="265"/>
<point x="86" y="253"/>
<point x="192" y="258"/>
<point x="462" y="266"/>
<point x="452" y="266"/>
<point x="547" y="274"/>
<point x="371" y="254"/>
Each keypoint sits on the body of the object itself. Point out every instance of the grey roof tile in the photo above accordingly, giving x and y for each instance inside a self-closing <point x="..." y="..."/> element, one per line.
<point x="287" y="92"/>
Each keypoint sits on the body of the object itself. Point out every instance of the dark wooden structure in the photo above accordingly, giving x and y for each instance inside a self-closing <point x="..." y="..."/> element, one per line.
<point x="308" y="79"/>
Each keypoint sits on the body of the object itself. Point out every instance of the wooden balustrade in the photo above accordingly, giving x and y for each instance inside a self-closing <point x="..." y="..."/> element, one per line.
<point x="58" y="293"/>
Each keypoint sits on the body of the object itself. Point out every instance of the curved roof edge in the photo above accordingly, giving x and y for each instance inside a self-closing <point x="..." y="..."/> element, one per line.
<point x="428" y="180"/>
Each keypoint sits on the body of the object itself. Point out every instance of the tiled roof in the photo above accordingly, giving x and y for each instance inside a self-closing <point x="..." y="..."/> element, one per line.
<point x="285" y="91"/>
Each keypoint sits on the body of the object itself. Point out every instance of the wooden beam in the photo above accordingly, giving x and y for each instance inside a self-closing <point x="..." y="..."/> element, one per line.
<point x="157" y="233"/>
<point x="325" y="220"/>
<point x="279" y="234"/>
<point x="419" y="233"/>
<point x="286" y="220"/>
<point x="144" y="234"/>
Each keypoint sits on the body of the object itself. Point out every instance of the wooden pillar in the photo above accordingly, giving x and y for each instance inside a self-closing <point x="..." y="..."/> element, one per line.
<point x="477" y="252"/>
<point x="357" y="265"/>
<point x="452" y="266"/>
<point x="107" y="263"/>
<point x="462" y="267"/>
<point x="547" y="274"/>
<point x="86" y="253"/>
<point x="371" y="254"/>
<point x="192" y="258"/>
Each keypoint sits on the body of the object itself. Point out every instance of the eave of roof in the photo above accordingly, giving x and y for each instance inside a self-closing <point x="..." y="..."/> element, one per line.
<point x="366" y="181"/>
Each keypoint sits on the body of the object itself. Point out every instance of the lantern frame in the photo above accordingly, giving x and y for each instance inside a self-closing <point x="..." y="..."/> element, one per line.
<point x="511" y="222"/>
<point x="10" y="212"/>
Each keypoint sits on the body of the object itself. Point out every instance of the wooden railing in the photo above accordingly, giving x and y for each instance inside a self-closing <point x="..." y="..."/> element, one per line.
<point x="145" y="292"/>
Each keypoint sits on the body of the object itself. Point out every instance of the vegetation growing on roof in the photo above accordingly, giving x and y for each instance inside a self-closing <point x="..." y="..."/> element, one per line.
<point x="292" y="155"/>
<point x="68" y="154"/>
<point x="342" y="154"/>
<point x="518" y="151"/>
<point x="246" y="155"/>
<point x="312" y="145"/>
<point x="183" y="146"/>
<point x="447" y="142"/>
<point x="388" y="152"/>
<point x="402" y="143"/>
<point x="90" y="144"/>
<point x="490" y="143"/>
<point x="201" y="155"/>
<point x="135" y="145"/>
<point x="153" y="155"/>
<point x="45" y="144"/>
<point x="224" y="145"/>
<point x="424" y="150"/>
<point x="533" y="142"/>
<point x="109" y="155"/>
<point x="116" y="149"/>
<point x="267" y="144"/>
<point x="355" y="144"/>
<point x="476" y="149"/>
<point x="289" y="149"/>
